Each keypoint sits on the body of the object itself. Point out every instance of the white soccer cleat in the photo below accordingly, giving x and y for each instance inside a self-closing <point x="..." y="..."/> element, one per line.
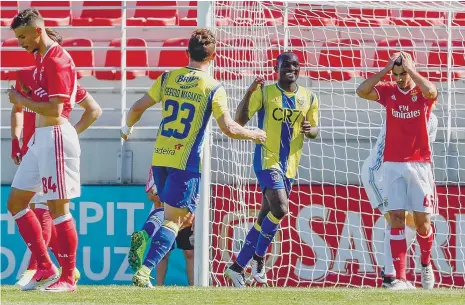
<point x="42" y="278"/>
<point x="401" y="285"/>
<point x="25" y="278"/>
<point x="259" y="272"/>
<point x="427" y="277"/>
<point x="61" y="286"/>
<point x="236" y="278"/>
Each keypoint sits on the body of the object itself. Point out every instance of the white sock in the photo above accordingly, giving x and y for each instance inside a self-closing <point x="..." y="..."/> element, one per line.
<point x="410" y="235"/>
<point x="389" y="269"/>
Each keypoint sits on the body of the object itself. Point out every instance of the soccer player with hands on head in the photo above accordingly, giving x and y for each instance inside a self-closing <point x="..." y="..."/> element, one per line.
<point x="51" y="165"/>
<point x="407" y="182"/>
<point x="287" y="112"/>
<point x="188" y="96"/>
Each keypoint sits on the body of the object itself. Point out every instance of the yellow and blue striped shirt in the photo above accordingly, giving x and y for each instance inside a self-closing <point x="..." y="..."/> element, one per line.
<point x="280" y="115"/>
<point x="188" y="97"/>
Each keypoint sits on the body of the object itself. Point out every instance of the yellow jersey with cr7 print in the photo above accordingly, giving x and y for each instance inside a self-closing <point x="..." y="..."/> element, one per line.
<point x="280" y="115"/>
<point x="188" y="97"/>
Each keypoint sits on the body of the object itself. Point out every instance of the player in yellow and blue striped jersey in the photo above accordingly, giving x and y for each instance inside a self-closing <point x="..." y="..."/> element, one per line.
<point x="287" y="112"/>
<point x="189" y="96"/>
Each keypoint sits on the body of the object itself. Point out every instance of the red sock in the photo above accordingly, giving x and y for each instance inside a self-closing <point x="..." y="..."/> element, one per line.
<point x="399" y="251"/>
<point x="29" y="228"/>
<point x="46" y="222"/>
<point x="68" y="239"/>
<point x="426" y="245"/>
<point x="54" y="244"/>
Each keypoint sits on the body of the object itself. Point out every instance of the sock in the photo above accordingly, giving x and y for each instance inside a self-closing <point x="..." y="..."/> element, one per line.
<point x="248" y="249"/>
<point x="29" y="228"/>
<point x="68" y="239"/>
<point x="154" y="221"/>
<point x="53" y="245"/>
<point x="399" y="252"/>
<point x="389" y="270"/>
<point x="426" y="245"/>
<point x="161" y="243"/>
<point x="269" y="228"/>
<point x="45" y="221"/>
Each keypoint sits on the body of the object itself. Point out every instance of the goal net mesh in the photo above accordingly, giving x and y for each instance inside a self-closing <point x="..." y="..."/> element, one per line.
<point x="332" y="236"/>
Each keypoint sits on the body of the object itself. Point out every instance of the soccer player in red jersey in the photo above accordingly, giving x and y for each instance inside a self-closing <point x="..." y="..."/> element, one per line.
<point x="24" y="120"/>
<point x="408" y="175"/>
<point x="52" y="163"/>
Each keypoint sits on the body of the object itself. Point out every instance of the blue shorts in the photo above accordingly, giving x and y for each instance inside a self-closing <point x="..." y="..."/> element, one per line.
<point x="274" y="179"/>
<point x="177" y="188"/>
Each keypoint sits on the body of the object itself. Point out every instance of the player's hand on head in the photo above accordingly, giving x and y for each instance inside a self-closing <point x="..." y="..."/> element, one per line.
<point x="258" y="82"/>
<point x="393" y="59"/>
<point x="407" y="61"/>
<point x="259" y="136"/>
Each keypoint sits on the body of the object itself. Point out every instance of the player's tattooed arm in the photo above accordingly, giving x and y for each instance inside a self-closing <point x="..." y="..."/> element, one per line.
<point x="242" y="112"/>
<point x="428" y="89"/>
<point x="366" y="89"/>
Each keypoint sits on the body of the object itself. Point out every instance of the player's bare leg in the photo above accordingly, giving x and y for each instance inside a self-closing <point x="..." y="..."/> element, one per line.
<point x="235" y="272"/>
<point x="68" y="240"/>
<point x="30" y="229"/>
<point x="162" y="242"/>
<point x="162" y="268"/>
<point x="425" y="239"/>
<point x="189" y="256"/>
<point x="389" y="275"/>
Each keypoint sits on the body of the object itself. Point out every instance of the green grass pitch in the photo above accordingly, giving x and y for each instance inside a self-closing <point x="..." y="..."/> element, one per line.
<point x="90" y="295"/>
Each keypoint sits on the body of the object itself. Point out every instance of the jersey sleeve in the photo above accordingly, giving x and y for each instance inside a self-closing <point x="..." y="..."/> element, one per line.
<point x="382" y="89"/>
<point x="81" y="94"/>
<point x="60" y="78"/>
<point x="313" y="112"/>
<point x="155" y="92"/>
<point x="256" y="102"/>
<point x="219" y="102"/>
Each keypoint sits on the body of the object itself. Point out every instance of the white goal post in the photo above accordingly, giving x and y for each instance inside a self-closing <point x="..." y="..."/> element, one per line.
<point x="332" y="237"/>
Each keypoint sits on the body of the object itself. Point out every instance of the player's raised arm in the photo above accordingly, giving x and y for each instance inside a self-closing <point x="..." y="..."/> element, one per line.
<point x="428" y="89"/>
<point x="242" y="111"/>
<point x="366" y="89"/>
<point x="92" y="112"/>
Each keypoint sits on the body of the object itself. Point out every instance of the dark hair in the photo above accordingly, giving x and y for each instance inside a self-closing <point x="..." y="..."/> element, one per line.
<point x="398" y="61"/>
<point x="26" y="17"/>
<point x="54" y="35"/>
<point x="202" y="45"/>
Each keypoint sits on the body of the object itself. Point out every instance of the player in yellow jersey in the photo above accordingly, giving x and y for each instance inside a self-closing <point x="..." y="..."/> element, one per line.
<point x="189" y="96"/>
<point x="287" y="112"/>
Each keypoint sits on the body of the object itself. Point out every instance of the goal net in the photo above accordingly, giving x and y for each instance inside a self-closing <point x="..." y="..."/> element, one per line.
<point x="332" y="236"/>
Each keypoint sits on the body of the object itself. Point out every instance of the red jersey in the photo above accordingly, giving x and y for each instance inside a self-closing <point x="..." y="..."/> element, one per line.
<point x="56" y="74"/>
<point x="27" y="86"/>
<point x="407" y="115"/>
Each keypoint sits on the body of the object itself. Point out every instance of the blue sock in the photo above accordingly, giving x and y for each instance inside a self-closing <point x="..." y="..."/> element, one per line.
<point x="248" y="249"/>
<point x="154" y="221"/>
<point x="161" y="244"/>
<point x="269" y="227"/>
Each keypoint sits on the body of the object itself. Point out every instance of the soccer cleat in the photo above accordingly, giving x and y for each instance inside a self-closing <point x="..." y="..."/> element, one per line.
<point x="258" y="271"/>
<point x="237" y="278"/>
<point x="136" y="252"/>
<point x="427" y="277"/>
<point x="401" y="285"/>
<point x="60" y="286"/>
<point x="42" y="278"/>
<point x="387" y="281"/>
<point x="142" y="278"/>
<point x="25" y="277"/>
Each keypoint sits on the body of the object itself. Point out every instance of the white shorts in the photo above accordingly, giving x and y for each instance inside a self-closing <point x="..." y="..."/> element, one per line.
<point x="372" y="178"/>
<point x="409" y="186"/>
<point x="51" y="165"/>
